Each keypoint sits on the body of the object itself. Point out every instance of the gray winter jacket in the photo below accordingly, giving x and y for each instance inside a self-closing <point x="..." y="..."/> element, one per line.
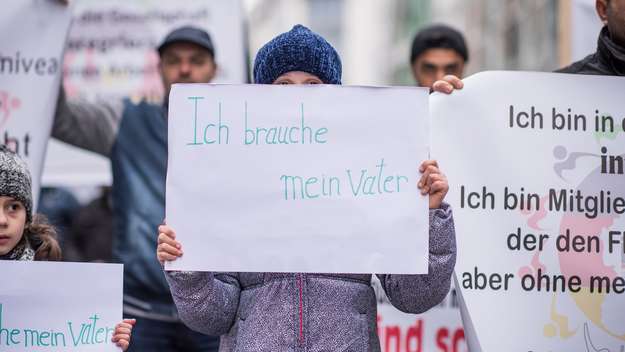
<point x="309" y="312"/>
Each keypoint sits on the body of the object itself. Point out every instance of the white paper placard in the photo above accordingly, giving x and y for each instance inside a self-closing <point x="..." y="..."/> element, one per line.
<point x="298" y="178"/>
<point x="54" y="306"/>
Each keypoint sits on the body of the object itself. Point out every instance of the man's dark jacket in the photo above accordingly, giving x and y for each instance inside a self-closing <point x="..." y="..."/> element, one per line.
<point x="609" y="60"/>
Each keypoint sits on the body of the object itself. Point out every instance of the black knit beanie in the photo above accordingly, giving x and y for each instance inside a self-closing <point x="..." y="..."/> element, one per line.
<point x="438" y="36"/>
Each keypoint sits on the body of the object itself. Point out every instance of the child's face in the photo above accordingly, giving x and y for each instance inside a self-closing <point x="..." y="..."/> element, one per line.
<point x="12" y="221"/>
<point x="297" y="77"/>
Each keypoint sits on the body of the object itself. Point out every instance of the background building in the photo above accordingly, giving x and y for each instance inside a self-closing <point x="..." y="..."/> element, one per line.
<point x="373" y="37"/>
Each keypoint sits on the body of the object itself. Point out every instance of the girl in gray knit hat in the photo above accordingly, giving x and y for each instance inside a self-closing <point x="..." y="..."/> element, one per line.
<point x="27" y="237"/>
<point x="304" y="311"/>
<point x="21" y="236"/>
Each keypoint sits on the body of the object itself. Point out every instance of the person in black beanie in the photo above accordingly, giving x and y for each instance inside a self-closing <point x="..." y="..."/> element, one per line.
<point x="437" y="51"/>
<point x="609" y="59"/>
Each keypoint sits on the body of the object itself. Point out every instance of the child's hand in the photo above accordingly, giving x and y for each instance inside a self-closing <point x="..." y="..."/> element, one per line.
<point x="122" y="333"/>
<point x="447" y="84"/>
<point x="433" y="182"/>
<point x="168" y="248"/>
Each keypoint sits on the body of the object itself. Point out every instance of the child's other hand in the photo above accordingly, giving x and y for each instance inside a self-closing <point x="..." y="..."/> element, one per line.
<point x="168" y="248"/>
<point x="121" y="335"/>
<point x="433" y="182"/>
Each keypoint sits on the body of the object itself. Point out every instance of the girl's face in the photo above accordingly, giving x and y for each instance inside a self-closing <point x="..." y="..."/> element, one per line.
<point x="297" y="77"/>
<point x="12" y="222"/>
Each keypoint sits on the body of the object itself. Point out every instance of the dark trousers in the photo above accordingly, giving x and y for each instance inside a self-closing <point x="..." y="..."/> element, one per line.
<point x="153" y="335"/>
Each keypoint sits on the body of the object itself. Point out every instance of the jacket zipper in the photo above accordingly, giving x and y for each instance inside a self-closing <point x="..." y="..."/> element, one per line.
<point x="301" y="309"/>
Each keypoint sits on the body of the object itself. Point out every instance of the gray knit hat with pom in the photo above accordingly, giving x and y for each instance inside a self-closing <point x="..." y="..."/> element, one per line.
<point x="15" y="180"/>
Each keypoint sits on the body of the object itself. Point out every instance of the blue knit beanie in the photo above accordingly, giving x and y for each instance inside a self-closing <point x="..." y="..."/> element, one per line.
<point x="299" y="49"/>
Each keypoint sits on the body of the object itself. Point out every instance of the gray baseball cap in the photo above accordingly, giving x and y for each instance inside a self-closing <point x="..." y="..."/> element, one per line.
<point x="188" y="34"/>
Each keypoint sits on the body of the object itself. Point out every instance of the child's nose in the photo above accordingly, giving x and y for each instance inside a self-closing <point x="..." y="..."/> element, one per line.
<point x="3" y="218"/>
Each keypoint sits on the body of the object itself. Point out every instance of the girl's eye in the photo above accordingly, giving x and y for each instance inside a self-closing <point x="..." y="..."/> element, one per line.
<point x="14" y="206"/>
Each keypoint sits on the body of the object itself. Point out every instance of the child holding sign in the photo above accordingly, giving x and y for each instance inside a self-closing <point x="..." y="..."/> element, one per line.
<point x="24" y="237"/>
<point x="320" y="312"/>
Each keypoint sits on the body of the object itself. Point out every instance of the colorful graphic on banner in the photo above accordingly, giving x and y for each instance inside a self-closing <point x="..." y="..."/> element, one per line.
<point x="535" y="165"/>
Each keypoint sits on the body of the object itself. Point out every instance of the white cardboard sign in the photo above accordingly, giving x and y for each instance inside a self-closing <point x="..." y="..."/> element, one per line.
<point x="54" y="306"/>
<point x="298" y="178"/>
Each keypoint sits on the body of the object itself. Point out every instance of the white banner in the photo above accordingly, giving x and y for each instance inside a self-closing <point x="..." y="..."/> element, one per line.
<point x="53" y="306"/>
<point x="111" y="53"/>
<point x="32" y="36"/>
<point x="437" y="330"/>
<point x="111" y="49"/>
<point x="298" y="179"/>
<point x="535" y="166"/>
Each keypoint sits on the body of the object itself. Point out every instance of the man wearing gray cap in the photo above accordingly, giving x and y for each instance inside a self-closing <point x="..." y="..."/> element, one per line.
<point x="134" y="137"/>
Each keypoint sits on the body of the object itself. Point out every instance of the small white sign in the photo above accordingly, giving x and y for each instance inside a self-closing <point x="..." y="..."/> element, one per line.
<point x="53" y="306"/>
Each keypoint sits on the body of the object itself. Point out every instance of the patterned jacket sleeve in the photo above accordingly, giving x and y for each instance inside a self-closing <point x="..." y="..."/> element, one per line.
<point x="418" y="293"/>
<point x="206" y="302"/>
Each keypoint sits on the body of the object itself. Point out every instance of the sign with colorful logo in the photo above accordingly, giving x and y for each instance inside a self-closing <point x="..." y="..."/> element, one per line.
<point x="536" y="171"/>
<point x="32" y="37"/>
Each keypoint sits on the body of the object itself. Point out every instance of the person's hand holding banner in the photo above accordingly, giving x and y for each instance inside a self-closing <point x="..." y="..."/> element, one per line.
<point x="433" y="182"/>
